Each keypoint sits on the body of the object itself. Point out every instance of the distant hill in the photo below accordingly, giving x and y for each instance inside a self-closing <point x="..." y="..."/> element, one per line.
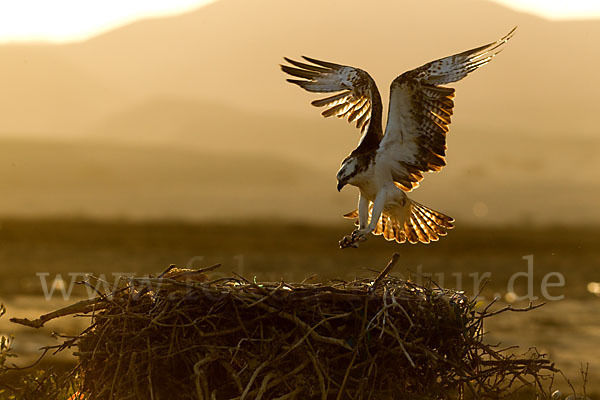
<point x="92" y="178"/>
<point x="44" y="93"/>
<point x="194" y="124"/>
<point x="227" y="52"/>
<point x="100" y="179"/>
<point x="143" y="111"/>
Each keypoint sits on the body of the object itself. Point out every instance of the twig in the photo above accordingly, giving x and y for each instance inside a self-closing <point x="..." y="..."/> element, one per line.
<point x="341" y="391"/>
<point x="253" y="378"/>
<point x="169" y="268"/>
<point x="234" y="375"/>
<point x="290" y="395"/>
<point x="511" y="308"/>
<point x="385" y="271"/>
<point x="313" y="359"/>
<point x="304" y="325"/>
<point x="81" y="307"/>
<point x="311" y="331"/>
<point x="263" y="386"/>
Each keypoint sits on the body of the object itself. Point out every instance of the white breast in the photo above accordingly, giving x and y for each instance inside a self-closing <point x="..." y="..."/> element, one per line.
<point x="367" y="183"/>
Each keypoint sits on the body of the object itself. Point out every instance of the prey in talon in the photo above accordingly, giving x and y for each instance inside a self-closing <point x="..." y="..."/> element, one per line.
<point x="352" y="240"/>
<point x="388" y="164"/>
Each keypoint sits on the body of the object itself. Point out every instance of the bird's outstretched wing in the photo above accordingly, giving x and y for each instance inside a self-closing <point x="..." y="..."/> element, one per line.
<point x="420" y="111"/>
<point x="358" y="98"/>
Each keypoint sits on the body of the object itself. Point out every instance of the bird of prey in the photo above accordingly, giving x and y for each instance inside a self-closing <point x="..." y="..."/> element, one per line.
<point x="388" y="164"/>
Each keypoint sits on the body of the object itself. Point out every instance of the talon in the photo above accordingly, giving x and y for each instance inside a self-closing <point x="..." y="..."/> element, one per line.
<point x="348" y="241"/>
<point x="359" y="235"/>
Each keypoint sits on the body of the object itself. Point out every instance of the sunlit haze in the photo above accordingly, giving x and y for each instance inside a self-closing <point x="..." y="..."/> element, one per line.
<point x="74" y="20"/>
<point x="71" y="20"/>
<point x="189" y="113"/>
<point x="557" y="9"/>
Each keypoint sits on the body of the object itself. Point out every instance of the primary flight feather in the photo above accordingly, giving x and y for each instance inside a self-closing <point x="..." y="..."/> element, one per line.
<point x="386" y="166"/>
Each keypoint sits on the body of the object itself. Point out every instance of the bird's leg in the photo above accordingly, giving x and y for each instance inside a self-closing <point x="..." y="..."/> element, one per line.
<point x="363" y="211"/>
<point x="360" y="235"/>
<point x="363" y="216"/>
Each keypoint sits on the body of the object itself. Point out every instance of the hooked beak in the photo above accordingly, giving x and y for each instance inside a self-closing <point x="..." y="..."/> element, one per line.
<point x="340" y="185"/>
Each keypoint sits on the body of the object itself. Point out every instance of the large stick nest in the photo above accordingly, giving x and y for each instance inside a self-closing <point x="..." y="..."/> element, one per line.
<point x="387" y="338"/>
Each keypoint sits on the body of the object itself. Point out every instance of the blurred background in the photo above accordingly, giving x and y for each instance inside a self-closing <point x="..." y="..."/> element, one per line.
<point x="188" y="116"/>
<point x="134" y="135"/>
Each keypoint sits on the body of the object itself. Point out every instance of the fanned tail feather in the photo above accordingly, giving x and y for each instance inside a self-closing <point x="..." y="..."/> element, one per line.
<point x="420" y="225"/>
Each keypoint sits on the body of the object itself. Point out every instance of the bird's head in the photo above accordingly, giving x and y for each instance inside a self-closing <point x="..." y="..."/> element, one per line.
<point x="346" y="172"/>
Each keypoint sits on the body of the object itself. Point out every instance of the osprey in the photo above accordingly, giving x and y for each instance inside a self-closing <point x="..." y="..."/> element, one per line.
<point x="386" y="166"/>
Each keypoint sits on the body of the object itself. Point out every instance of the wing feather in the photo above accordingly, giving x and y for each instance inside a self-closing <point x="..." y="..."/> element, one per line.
<point x="333" y="100"/>
<point x="358" y="101"/>
<point x="420" y="114"/>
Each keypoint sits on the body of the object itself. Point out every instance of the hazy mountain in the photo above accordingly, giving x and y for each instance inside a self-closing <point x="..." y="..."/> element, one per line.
<point x="100" y="179"/>
<point x="110" y="180"/>
<point x="194" y="124"/>
<point x="173" y="98"/>
<point x="44" y="93"/>
<point x="228" y="52"/>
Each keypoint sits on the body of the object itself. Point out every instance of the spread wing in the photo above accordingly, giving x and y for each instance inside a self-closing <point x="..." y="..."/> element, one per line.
<point x="357" y="97"/>
<point x="420" y="111"/>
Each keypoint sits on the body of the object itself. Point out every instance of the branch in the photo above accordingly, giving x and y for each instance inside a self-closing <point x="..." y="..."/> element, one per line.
<point x="81" y="307"/>
<point x="385" y="271"/>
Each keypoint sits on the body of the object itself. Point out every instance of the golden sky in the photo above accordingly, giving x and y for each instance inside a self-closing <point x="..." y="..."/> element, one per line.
<point x="556" y="9"/>
<point x="72" y="20"/>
